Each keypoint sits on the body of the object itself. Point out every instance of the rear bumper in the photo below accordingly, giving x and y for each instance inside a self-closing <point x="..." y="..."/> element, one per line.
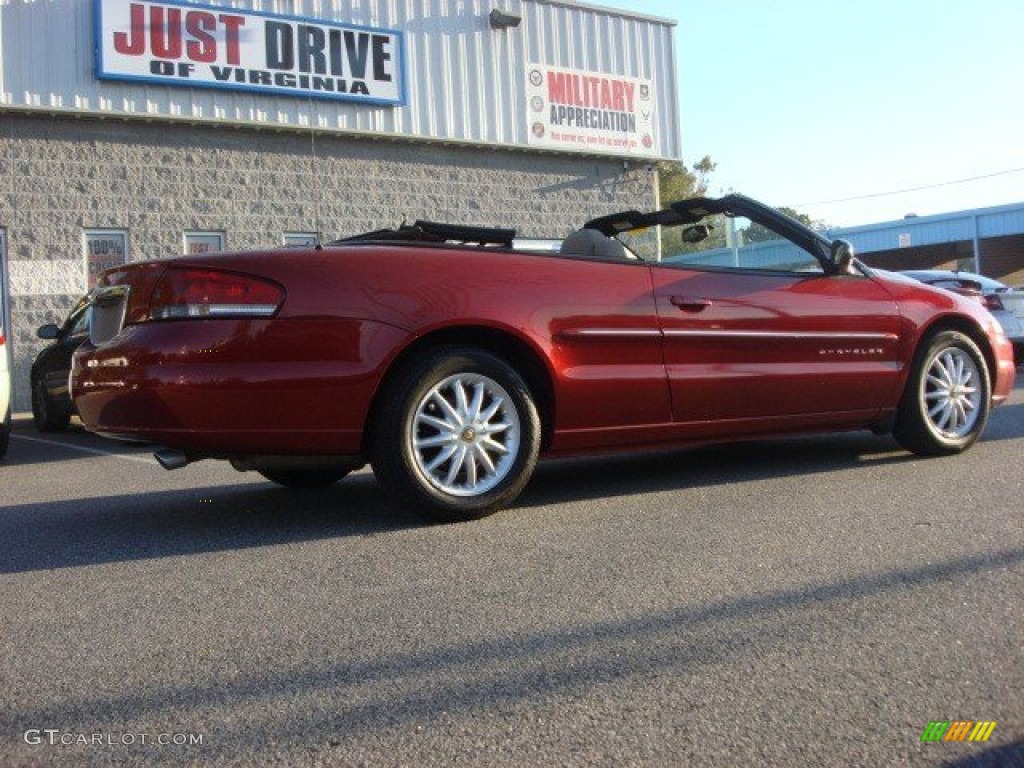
<point x="1003" y="375"/>
<point x="228" y="387"/>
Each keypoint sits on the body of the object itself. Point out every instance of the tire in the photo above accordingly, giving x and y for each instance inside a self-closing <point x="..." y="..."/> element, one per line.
<point x="5" y="434"/>
<point x="948" y="396"/>
<point x="46" y="416"/>
<point x="304" y="478"/>
<point x="457" y="436"/>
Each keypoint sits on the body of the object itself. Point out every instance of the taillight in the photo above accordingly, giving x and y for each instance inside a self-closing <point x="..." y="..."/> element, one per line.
<point x="186" y="292"/>
<point x="993" y="303"/>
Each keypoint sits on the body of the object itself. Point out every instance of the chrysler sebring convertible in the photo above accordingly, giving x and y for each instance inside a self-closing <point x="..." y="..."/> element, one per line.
<point x="451" y="358"/>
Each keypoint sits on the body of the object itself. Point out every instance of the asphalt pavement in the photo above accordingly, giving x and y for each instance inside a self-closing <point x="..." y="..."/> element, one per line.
<point x="813" y="601"/>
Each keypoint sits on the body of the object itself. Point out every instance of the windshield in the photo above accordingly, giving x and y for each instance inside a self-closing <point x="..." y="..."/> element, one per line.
<point x="730" y="241"/>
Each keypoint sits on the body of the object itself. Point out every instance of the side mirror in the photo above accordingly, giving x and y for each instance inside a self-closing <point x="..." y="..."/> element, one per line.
<point x="841" y="255"/>
<point x="696" y="233"/>
<point x="48" y="331"/>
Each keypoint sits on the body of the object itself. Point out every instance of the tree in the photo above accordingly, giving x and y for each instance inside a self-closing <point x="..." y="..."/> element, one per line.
<point x="756" y="233"/>
<point x="677" y="182"/>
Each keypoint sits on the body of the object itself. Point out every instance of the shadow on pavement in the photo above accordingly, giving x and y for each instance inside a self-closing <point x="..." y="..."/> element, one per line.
<point x="1004" y="756"/>
<point x="74" y="533"/>
<point x="565" y="480"/>
<point x="40" y="536"/>
<point x="1006" y="422"/>
<point x="29" y="446"/>
<point x="406" y="687"/>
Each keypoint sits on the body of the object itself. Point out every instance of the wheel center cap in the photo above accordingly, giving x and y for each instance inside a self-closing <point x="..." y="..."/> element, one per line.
<point x="468" y="435"/>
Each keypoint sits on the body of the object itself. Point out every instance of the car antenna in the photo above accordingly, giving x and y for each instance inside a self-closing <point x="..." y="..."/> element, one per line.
<point x="317" y="239"/>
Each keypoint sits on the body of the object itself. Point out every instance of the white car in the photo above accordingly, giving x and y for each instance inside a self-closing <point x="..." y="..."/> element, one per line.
<point x="5" y="388"/>
<point x="1005" y="303"/>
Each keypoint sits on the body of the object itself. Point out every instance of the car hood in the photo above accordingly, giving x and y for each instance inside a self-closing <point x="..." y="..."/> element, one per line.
<point x="913" y="297"/>
<point x="896" y="277"/>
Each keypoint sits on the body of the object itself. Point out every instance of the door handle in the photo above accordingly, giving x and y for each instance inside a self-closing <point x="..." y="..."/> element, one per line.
<point x="689" y="304"/>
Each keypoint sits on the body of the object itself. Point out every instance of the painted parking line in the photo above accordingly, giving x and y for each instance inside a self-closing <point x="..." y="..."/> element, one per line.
<point x="83" y="449"/>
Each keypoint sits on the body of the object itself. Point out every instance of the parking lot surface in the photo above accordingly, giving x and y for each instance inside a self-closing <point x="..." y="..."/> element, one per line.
<point x="797" y="602"/>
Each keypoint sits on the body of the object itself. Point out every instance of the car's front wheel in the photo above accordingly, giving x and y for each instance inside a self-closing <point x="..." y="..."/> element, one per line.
<point x="947" y="398"/>
<point x="47" y="416"/>
<point x="458" y="434"/>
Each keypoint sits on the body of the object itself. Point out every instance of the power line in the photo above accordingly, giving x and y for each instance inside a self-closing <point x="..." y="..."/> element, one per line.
<point x="915" y="189"/>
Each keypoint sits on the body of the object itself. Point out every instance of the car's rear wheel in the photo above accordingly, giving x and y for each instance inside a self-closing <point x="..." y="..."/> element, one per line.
<point x="458" y="435"/>
<point x="947" y="399"/>
<point x="47" y="416"/>
<point x="304" y="478"/>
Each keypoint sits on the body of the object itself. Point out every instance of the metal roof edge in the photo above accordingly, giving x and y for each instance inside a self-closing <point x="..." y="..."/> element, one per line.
<point x="608" y="11"/>
<point x="933" y="218"/>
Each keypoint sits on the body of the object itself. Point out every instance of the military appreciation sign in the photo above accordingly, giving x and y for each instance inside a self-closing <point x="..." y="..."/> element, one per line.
<point x="589" y="111"/>
<point x="200" y="46"/>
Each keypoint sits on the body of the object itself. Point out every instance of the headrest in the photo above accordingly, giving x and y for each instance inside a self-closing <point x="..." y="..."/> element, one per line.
<point x="590" y="242"/>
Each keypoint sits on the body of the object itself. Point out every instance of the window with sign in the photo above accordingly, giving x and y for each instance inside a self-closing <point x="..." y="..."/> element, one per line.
<point x="197" y="243"/>
<point x="104" y="248"/>
<point x="308" y="239"/>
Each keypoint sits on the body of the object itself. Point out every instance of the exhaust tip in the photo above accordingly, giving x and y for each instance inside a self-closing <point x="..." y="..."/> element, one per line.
<point x="171" y="458"/>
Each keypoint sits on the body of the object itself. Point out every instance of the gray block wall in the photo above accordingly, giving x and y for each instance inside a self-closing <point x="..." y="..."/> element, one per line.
<point x="60" y="176"/>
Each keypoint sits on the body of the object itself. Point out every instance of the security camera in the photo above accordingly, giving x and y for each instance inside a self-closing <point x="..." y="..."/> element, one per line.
<point x="504" y="19"/>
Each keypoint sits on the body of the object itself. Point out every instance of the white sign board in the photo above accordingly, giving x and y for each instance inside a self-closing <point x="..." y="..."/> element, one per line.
<point x="588" y="111"/>
<point x="198" y="243"/>
<point x="104" y="248"/>
<point x="307" y="239"/>
<point x="204" y="46"/>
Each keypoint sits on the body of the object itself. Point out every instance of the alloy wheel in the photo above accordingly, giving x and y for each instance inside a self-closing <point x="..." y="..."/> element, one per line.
<point x="952" y="393"/>
<point x="465" y="434"/>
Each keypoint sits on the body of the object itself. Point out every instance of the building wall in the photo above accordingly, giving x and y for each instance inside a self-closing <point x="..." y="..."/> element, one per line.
<point x="464" y="81"/>
<point x="1003" y="259"/>
<point x="947" y="241"/>
<point x="942" y="256"/>
<point x="60" y="176"/>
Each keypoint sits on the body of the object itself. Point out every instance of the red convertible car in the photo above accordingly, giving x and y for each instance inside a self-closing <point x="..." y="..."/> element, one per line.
<point x="450" y="358"/>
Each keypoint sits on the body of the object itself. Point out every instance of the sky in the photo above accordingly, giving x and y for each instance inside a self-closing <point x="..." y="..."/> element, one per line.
<point x="806" y="102"/>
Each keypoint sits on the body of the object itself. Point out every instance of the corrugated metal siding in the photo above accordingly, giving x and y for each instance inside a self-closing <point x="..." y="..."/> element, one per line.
<point x="464" y="81"/>
<point x="1004" y="257"/>
<point x="934" y="230"/>
<point x="885" y="237"/>
<point x="1007" y="221"/>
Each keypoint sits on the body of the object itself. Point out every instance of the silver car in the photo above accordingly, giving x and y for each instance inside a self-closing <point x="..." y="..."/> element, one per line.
<point x="1005" y="303"/>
